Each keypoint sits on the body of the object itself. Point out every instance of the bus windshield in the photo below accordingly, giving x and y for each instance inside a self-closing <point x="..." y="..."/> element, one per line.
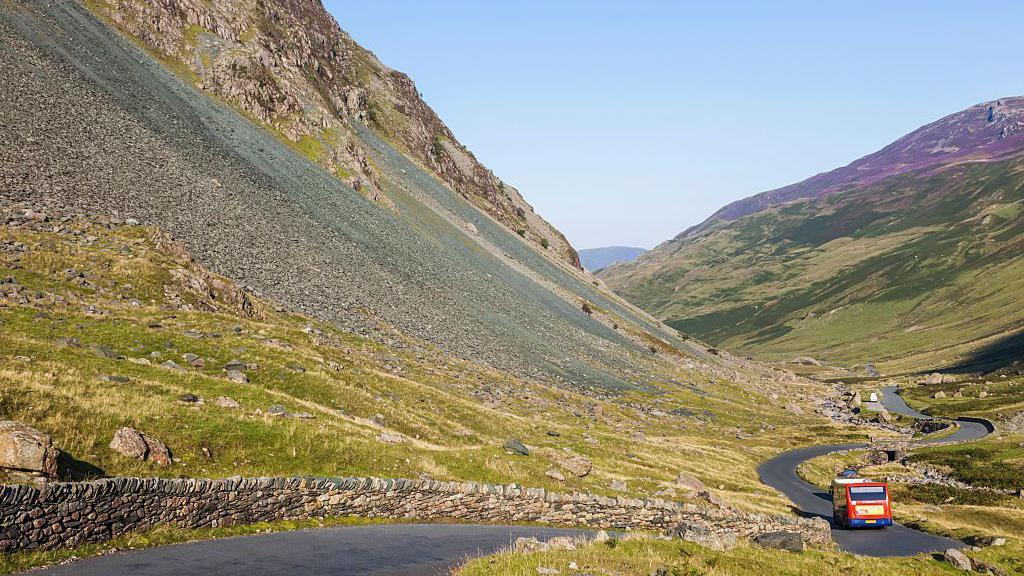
<point x="863" y="493"/>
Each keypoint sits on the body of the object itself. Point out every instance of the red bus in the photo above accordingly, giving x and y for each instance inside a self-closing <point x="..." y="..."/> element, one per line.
<point x="860" y="503"/>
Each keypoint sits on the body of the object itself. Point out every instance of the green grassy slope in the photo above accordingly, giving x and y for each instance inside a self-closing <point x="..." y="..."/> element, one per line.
<point x="920" y="268"/>
<point x="92" y="311"/>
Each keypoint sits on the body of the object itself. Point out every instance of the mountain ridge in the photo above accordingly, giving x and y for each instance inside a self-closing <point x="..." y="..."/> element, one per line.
<point x="986" y="131"/>
<point x="904" y="236"/>
<point x="594" y="259"/>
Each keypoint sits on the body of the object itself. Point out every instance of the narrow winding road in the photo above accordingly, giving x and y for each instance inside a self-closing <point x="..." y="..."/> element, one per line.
<point x="382" y="550"/>
<point x="809" y="500"/>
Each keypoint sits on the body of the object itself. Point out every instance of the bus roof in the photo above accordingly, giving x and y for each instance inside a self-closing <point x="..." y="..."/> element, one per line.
<point x="850" y="480"/>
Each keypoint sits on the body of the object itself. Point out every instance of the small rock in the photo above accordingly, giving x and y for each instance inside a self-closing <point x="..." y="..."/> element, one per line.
<point x="553" y="433"/>
<point x="989" y="568"/>
<point x="938" y="395"/>
<point x="690" y="482"/>
<point x="159" y="453"/>
<point x="304" y="415"/>
<point x="190" y="399"/>
<point x="115" y="378"/>
<point x="103" y="351"/>
<point x="236" y="376"/>
<point x="601" y="536"/>
<point x="514" y="446"/>
<point x="552" y="473"/>
<point x="389" y="438"/>
<point x="794" y="408"/>
<point x="998" y="541"/>
<point x="134" y="444"/>
<point x="226" y="402"/>
<point x="171" y="364"/>
<point x="129" y="443"/>
<point x="575" y="464"/>
<point x="618" y="485"/>
<point x="277" y="410"/>
<point x="527" y="545"/>
<point x="547" y="571"/>
<point x="236" y="365"/>
<point x="958" y="559"/>
<point x="562" y="543"/>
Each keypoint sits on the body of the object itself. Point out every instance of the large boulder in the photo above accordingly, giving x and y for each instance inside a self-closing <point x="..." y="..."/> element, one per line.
<point x="781" y="540"/>
<point x="26" y="449"/>
<point x="884" y="417"/>
<point x="958" y="559"/>
<point x="855" y="400"/>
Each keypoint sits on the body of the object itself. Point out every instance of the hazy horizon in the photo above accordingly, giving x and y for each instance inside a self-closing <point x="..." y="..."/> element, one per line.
<point x="625" y="125"/>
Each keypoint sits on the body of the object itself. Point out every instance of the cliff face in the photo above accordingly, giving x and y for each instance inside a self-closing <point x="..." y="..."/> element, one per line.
<point x="288" y="65"/>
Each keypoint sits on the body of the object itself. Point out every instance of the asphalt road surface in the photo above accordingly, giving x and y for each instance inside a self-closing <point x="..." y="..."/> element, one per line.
<point x="809" y="500"/>
<point x="382" y="550"/>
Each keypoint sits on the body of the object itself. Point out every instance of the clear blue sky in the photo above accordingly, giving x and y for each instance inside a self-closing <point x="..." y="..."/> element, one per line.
<point x="626" y="122"/>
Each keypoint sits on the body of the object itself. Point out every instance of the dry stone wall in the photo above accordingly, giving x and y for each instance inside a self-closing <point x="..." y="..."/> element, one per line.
<point x="60" y="515"/>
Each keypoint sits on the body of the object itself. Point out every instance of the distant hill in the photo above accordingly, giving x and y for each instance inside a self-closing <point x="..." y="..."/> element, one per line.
<point x="597" y="258"/>
<point x="911" y="253"/>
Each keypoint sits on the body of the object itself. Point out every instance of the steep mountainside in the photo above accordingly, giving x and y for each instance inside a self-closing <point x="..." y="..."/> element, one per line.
<point x="288" y="65"/>
<point x="912" y="253"/>
<point x="597" y="258"/>
<point x="172" y="264"/>
<point x="92" y="122"/>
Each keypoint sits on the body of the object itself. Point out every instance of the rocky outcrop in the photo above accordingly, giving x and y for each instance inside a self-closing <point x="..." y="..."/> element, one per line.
<point x="24" y="449"/>
<point x="288" y="65"/>
<point x="72" y="514"/>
